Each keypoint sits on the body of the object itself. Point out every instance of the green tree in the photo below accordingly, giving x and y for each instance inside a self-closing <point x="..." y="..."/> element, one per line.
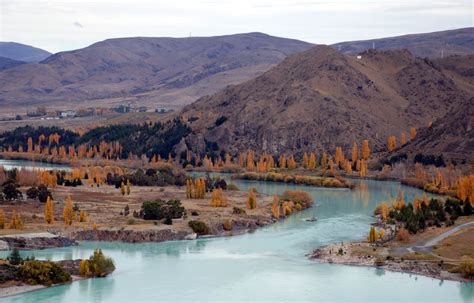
<point x="467" y="209"/>
<point x="15" y="258"/>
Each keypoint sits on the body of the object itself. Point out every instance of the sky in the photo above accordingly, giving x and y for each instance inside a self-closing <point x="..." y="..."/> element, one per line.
<point x="59" y="25"/>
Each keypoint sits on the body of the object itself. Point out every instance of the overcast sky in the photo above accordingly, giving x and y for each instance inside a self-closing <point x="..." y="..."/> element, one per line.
<point x="64" y="25"/>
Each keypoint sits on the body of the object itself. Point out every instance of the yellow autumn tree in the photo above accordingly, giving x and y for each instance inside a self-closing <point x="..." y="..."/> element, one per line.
<point x="373" y="236"/>
<point x="282" y="161"/>
<point x="355" y="153"/>
<point x="49" y="211"/>
<point x="338" y="156"/>
<point x="82" y="216"/>
<point x="391" y="143"/>
<point x="16" y="222"/>
<point x="2" y="219"/>
<point x="276" y="207"/>
<point x="412" y="133"/>
<point x="324" y="161"/>
<point x="403" y="139"/>
<point x="128" y="187"/>
<point x="291" y="163"/>
<point x="122" y="188"/>
<point x="365" y="150"/>
<point x="304" y="163"/>
<point x="217" y="198"/>
<point x="400" y="202"/>
<point x="251" y="200"/>
<point x="362" y="168"/>
<point x="84" y="269"/>
<point x="68" y="212"/>
<point x="312" y="161"/>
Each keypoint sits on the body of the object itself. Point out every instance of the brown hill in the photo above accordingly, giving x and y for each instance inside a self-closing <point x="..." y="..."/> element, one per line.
<point x="431" y="45"/>
<point x="151" y="70"/>
<point x="321" y="98"/>
<point x="452" y="135"/>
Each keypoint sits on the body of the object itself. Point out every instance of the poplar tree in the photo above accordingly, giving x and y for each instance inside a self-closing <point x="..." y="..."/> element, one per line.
<point x="68" y="212"/>
<point x="49" y="211"/>
<point x="122" y="188"/>
<point x="251" y="201"/>
<point x="365" y="149"/>
<point x="276" y="207"/>
<point x="128" y="187"/>
<point x="412" y="133"/>
<point x="2" y="219"/>
<point x="355" y="153"/>
<point x="304" y="163"/>
<point x="312" y="161"/>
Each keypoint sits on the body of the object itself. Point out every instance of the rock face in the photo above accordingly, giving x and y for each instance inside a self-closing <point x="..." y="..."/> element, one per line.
<point x="32" y="241"/>
<point x="320" y="99"/>
<point x="130" y="236"/>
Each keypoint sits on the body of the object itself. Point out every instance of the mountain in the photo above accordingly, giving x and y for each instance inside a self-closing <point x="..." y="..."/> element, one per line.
<point x="169" y="71"/>
<point x="22" y="52"/>
<point x="6" y="63"/>
<point x="452" y="135"/>
<point x="431" y="45"/>
<point x="320" y="98"/>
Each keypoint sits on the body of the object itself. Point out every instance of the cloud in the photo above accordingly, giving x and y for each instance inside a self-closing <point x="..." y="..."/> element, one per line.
<point x="77" y="24"/>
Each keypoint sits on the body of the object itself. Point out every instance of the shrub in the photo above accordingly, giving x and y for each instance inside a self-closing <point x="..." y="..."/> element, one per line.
<point x="168" y="221"/>
<point x="403" y="234"/>
<point x="299" y="197"/>
<point x="10" y="190"/>
<point x="232" y="186"/>
<point x="194" y="213"/>
<point x="43" y="272"/>
<point x="43" y="193"/>
<point x="238" y="211"/>
<point x="227" y="225"/>
<point x="159" y="209"/>
<point x="100" y="265"/>
<point x="466" y="267"/>
<point x="199" y="227"/>
<point x="32" y="192"/>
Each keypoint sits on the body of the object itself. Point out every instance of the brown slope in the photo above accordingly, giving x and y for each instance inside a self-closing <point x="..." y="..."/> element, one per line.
<point x="431" y="45"/>
<point x="452" y="135"/>
<point x="149" y="68"/>
<point x="320" y="98"/>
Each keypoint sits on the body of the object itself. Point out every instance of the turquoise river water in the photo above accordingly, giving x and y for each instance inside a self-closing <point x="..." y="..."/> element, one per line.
<point x="268" y="265"/>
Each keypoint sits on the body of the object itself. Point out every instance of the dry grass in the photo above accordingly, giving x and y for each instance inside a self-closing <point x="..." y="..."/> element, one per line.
<point x="458" y="245"/>
<point x="104" y="204"/>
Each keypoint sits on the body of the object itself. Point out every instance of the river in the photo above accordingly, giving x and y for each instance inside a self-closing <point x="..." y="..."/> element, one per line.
<point x="29" y="165"/>
<point x="268" y="265"/>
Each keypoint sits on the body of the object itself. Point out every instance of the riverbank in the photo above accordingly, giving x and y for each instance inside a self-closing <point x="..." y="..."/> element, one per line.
<point x="112" y="216"/>
<point x="10" y="289"/>
<point x="290" y="178"/>
<point x="436" y="253"/>
<point x="31" y="241"/>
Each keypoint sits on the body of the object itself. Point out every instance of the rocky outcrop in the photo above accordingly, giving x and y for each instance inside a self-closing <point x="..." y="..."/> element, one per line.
<point x="34" y="241"/>
<point x="129" y="235"/>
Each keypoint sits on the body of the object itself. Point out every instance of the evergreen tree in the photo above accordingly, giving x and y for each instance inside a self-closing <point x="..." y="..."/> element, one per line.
<point x="467" y="209"/>
<point x="15" y="258"/>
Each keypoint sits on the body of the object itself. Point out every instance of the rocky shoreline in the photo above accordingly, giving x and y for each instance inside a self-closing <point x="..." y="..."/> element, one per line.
<point x="344" y="254"/>
<point x="14" y="287"/>
<point x="32" y="241"/>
